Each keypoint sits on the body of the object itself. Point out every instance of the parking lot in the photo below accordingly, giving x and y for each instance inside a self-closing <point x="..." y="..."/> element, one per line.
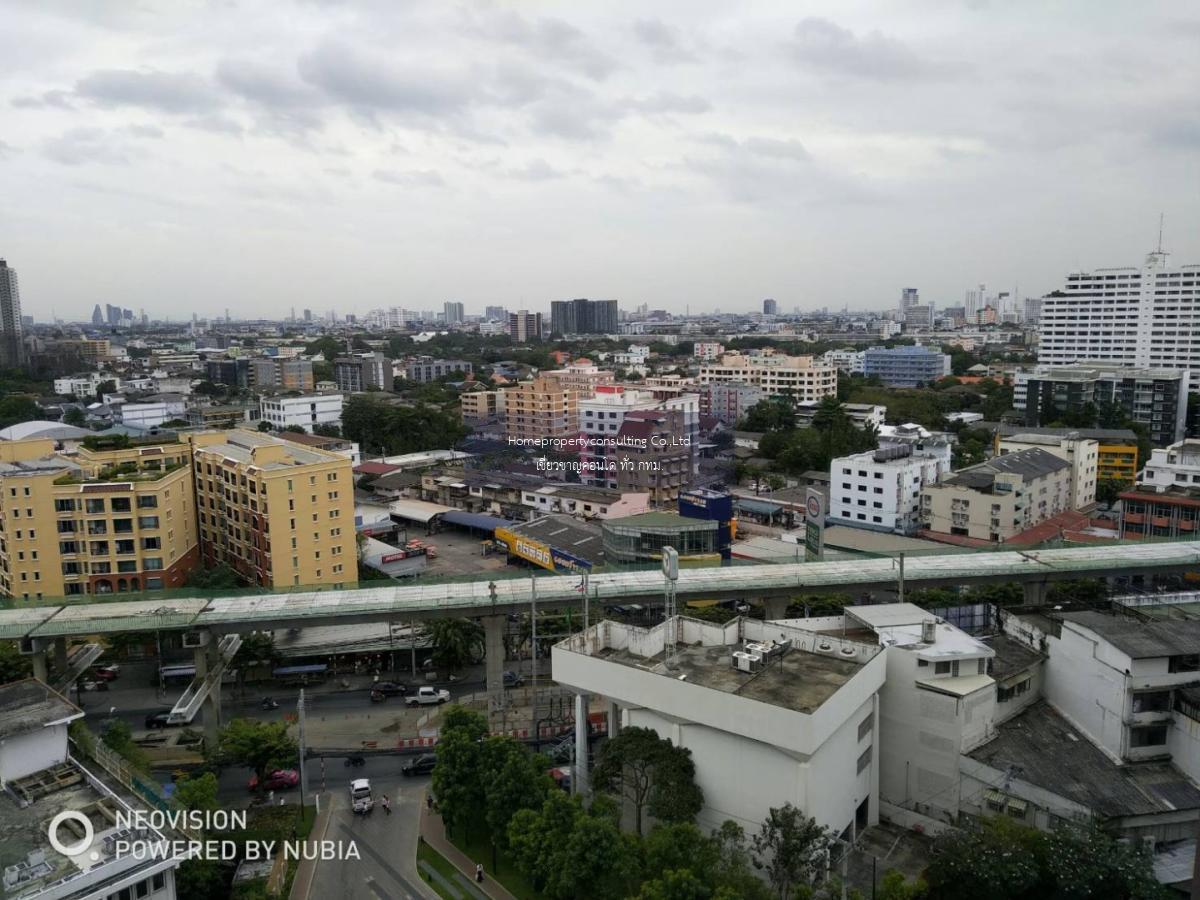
<point x="458" y="553"/>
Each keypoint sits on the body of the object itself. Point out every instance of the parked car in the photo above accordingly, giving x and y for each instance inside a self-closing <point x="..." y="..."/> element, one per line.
<point x="422" y="765"/>
<point x="159" y="720"/>
<point x="513" y="679"/>
<point x="389" y="688"/>
<point x="427" y="696"/>
<point x="93" y="685"/>
<point x="278" y="780"/>
<point x="106" y="673"/>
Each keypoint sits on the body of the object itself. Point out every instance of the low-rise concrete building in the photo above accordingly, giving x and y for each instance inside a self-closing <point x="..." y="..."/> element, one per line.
<point x="999" y="498"/>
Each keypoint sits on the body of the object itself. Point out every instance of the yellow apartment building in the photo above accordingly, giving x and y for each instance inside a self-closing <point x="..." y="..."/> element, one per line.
<point x="541" y="408"/>
<point x="280" y="514"/>
<point x="95" y="521"/>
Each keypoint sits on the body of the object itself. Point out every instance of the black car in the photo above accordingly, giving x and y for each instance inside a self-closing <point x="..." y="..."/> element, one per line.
<point x="159" y="720"/>
<point x="422" y="765"/>
<point x="389" y="688"/>
<point x="513" y="679"/>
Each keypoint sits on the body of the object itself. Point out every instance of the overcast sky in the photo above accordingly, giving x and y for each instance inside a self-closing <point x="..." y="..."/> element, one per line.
<point x="188" y="156"/>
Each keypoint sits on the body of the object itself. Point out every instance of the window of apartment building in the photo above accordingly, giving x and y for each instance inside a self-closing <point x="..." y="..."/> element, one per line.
<point x="148" y="501"/>
<point x="152" y="564"/>
<point x="151" y="543"/>
<point x="941" y="668"/>
<point x="1151" y="701"/>
<point x="152" y="521"/>
<point x="120" y="504"/>
<point x="333" y="513"/>
<point x="1184" y="662"/>
<point x="1148" y="736"/>
<point x="864" y="759"/>
<point x="98" y="548"/>
<point x="125" y="547"/>
<point x="64" y="505"/>
<point x="94" y="505"/>
<point x="866" y="726"/>
<point x="122" y="526"/>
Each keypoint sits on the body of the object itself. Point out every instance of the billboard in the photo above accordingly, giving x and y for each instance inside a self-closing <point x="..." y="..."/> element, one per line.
<point x="814" y="524"/>
<point x="540" y="554"/>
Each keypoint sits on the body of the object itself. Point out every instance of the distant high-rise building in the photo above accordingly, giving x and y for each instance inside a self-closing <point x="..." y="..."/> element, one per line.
<point x="308" y="315"/>
<point x="525" y="326"/>
<point x="496" y="314"/>
<point x="12" y="348"/>
<point x="453" y="312"/>
<point x="1033" y="311"/>
<point x="908" y="299"/>
<point x="112" y="314"/>
<point x="974" y="302"/>
<point x="98" y="316"/>
<point x="770" y="307"/>
<point x="583" y="316"/>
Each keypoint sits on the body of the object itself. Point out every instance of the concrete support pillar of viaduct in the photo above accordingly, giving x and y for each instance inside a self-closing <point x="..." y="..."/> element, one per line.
<point x="579" y="782"/>
<point x="775" y="607"/>
<point x="60" y="656"/>
<point x="205" y="658"/>
<point x="41" y="671"/>
<point x="493" y="651"/>
<point x="614" y="718"/>
<point x="1035" y="592"/>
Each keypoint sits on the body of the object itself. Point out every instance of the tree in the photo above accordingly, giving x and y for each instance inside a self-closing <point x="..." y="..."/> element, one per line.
<point x="456" y="642"/>
<point x="789" y="848"/>
<point x="105" y="387"/>
<point x="681" y="846"/>
<point x="215" y="578"/>
<point x="118" y="737"/>
<point x="893" y="886"/>
<point x="675" y="884"/>
<point x="199" y="792"/>
<point x="458" y="779"/>
<point x="258" y="649"/>
<point x="538" y="839"/>
<point x="1108" y="490"/>
<point x="598" y="860"/>
<point x="515" y="780"/>
<point x="264" y="425"/>
<point x="13" y="666"/>
<point x="15" y="410"/>
<point x="201" y="879"/>
<point x="650" y="773"/>
<point x="74" y="416"/>
<point x="772" y="414"/>
<point x="261" y="746"/>
<point x="327" y="429"/>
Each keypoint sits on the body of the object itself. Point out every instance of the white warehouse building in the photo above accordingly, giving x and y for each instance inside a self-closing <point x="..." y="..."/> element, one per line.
<point x="772" y="713"/>
<point x="307" y="411"/>
<point x="881" y="489"/>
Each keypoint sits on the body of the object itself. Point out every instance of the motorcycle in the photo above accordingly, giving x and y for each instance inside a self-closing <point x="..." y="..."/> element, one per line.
<point x="378" y="696"/>
<point x="355" y="761"/>
<point x="270" y="703"/>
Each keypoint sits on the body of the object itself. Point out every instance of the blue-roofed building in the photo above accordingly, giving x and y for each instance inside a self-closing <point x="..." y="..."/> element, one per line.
<point x="905" y="366"/>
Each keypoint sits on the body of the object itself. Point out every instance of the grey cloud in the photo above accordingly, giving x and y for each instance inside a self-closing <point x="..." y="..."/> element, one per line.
<point x="548" y="38"/>
<point x="414" y="178"/>
<point x="170" y="92"/>
<point x="146" y="131"/>
<point x="536" y="170"/>
<point x="822" y="44"/>
<point x="80" y="146"/>
<point x="672" y="103"/>
<point x="778" y="149"/>
<point x="216" y="124"/>
<point x="7" y="150"/>
<point x="370" y="83"/>
<point x="663" y="41"/>
<point x="46" y="100"/>
<point x="262" y="84"/>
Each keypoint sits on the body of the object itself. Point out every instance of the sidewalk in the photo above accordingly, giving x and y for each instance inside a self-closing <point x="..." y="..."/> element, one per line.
<point x="307" y="869"/>
<point x="433" y="832"/>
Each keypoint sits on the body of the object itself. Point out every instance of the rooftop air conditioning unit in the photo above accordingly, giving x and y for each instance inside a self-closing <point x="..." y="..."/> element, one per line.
<point x="745" y="662"/>
<point x="824" y="647"/>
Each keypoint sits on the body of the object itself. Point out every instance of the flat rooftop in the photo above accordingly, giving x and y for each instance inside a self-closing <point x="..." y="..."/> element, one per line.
<point x="1049" y="753"/>
<point x="1011" y="656"/>
<point x="1141" y="640"/>
<point x="799" y="680"/>
<point x="29" y="705"/>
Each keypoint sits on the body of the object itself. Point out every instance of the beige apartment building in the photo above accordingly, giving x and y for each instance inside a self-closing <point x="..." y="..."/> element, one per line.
<point x="582" y="376"/>
<point x="541" y="408"/>
<point x="268" y="372"/>
<point x="1000" y="498"/>
<point x="776" y="373"/>
<point x="478" y="405"/>
<point x="96" y="521"/>
<point x="280" y="514"/>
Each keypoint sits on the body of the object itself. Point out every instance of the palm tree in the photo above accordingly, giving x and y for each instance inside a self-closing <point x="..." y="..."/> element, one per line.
<point x="456" y="642"/>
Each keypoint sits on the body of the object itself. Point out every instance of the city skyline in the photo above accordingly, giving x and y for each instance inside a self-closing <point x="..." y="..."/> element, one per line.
<point x="341" y="158"/>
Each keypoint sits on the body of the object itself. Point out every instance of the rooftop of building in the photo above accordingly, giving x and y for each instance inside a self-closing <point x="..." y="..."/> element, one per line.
<point x="797" y="679"/>
<point x="240" y="446"/>
<point x="564" y="532"/>
<point x="663" y="520"/>
<point x="1011" y="656"/>
<point x="43" y="429"/>
<point x="1032" y="463"/>
<point x="1088" y="370"/>
<point x="1141" y="640"/>
<point x="44" y="466"/>
<point x="1041" y="748"/>
<point x="1109" y="435"/>
<point x="903" y="624"/>
<point x="320" y="441"/>
<point x="23" y="832"/>
<point x="29" y="705"/>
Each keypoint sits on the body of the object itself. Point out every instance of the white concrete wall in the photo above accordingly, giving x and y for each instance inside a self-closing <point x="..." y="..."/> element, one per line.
<point x="1085" y="681"/>
<point x="1183" y="742"/>
<point x="31" y="752"/>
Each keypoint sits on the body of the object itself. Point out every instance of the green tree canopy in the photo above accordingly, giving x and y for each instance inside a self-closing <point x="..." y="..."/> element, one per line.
<point x="13" y="666"/>
<point x="789" y="848"/>
<point x="456" y="642"/>
<point x="199" y="792"/>
<point x="261" y="746"/>
<point x="651" y="774"/>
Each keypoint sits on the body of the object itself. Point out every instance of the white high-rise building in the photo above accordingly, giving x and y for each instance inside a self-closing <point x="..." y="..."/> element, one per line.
<point x="453" y="312"/>
<point x="1147" y="317"/>
<point x="908" y="299"/>
<point x="974" y="302"/>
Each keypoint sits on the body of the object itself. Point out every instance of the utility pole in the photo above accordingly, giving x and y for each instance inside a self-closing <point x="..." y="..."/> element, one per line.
<point x="901" y="555"/>
<point x="533" y="638"/>
<point x="303" y="770"/>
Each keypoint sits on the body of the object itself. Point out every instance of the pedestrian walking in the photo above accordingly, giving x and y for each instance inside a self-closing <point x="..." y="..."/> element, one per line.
<point x="479" y="872"/>
<point x="387" y="805"/>
<point x="429" y="801"/>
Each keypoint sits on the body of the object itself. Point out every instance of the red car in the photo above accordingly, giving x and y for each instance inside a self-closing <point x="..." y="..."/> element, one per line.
<point x="106" y="673"/>
<point x="276" y="781"/>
